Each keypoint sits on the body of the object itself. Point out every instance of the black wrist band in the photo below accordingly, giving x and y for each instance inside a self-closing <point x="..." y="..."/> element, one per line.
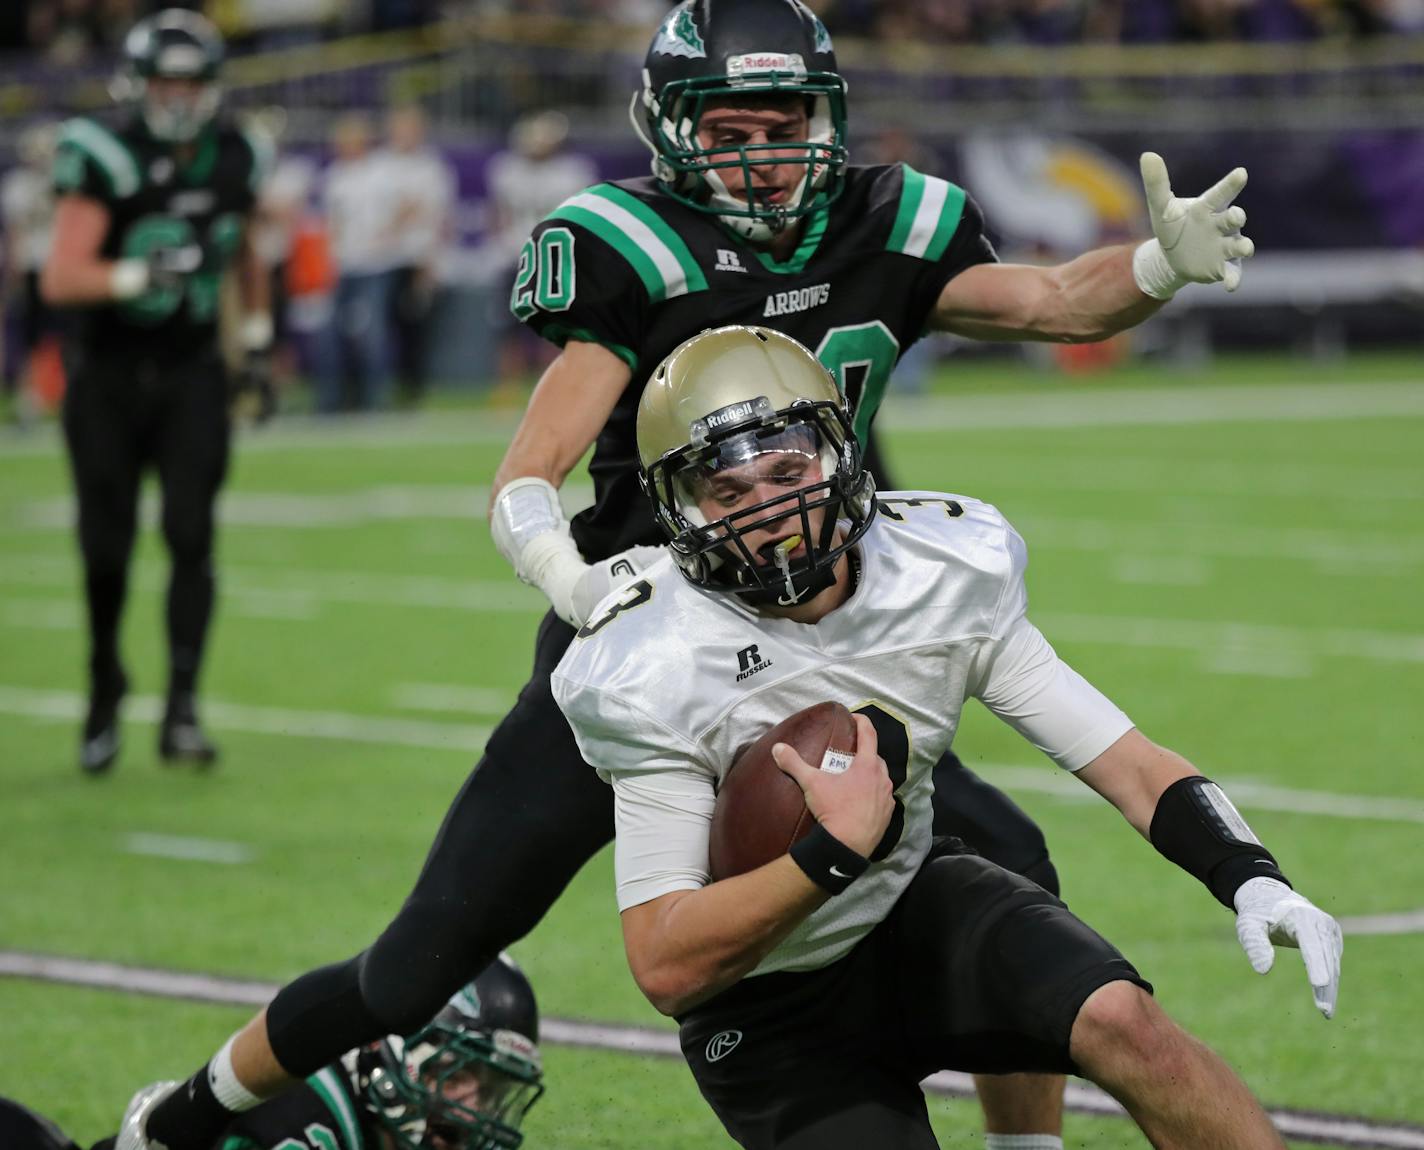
<point x="1196" y="827"/>
<point x="827" y="861"/>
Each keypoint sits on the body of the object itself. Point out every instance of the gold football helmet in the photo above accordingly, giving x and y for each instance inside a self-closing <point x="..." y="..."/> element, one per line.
<point x="731" y="397"/>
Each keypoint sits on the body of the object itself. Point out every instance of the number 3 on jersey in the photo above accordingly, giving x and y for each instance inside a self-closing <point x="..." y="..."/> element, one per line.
<point x="545" y="280"/>
<point x="861" y="359"/>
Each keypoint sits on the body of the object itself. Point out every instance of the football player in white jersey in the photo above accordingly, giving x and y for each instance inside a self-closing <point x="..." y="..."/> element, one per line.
<point x="815" y="992"/>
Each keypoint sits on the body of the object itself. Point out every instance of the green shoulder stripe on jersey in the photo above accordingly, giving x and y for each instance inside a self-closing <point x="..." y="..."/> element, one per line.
<point x="929" y="213"/>
<point x="238" y="1142"/>
<point x="641" y="236"/>
<point x="328" y="1087"/>
<point x="264" y="156"/>
<point x="109" y="153"/>
<point x="559" y="334"/>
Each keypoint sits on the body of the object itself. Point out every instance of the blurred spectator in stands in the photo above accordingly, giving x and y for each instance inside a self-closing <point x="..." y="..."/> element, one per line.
<point x="360" y="203"/>
<point x="424" y="189"/>
<point x="526" y="182"/>
<point x="301" y="306"/>
<point x="27" y="210"/>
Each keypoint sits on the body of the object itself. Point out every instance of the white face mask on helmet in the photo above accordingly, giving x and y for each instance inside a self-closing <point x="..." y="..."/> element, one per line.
<point x="172" y="45"/>
<point x="699" y="57"/>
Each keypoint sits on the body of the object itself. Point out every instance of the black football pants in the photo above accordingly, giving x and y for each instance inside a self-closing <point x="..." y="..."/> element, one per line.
<point x="527" y="818"/>
<point x="120" y="419"/>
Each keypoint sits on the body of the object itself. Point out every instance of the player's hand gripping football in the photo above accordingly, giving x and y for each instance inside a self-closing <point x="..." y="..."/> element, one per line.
<point x="855" y="804"/>
<point x="1267" y="912"/>
<point x="1198" y="238"/>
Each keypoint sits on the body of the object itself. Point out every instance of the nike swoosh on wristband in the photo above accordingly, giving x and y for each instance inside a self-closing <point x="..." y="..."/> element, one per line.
<point x="835" y="870"/>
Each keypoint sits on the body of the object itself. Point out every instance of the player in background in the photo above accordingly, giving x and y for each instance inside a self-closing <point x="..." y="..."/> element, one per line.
<point x="816" y="991"/>
<point x="755" y="216"/>
<point x="151" y="213"/>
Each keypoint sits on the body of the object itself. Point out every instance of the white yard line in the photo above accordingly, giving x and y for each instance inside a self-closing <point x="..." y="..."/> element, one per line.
<point x="1244" y="792"/>
<point x="1183" y="404"/>
<point x="186" y="848"/>
<point x="1336" y="1129"/>
<point x="450" y="699"/>
<point x="1407" y="922"/>
<point x="68" y="707"/>
<point x="1234" y="648"/>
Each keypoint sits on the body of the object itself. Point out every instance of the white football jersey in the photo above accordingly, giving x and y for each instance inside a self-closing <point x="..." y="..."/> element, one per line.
<point x="668" y="682"/>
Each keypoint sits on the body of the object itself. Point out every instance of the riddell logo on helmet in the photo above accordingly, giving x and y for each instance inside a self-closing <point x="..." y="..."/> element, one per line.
<point x="757" y="62"/>
<point x="733" y="414"/>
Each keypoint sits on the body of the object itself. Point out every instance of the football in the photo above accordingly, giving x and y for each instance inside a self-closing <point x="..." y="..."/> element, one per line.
<point x="760" y="810"/>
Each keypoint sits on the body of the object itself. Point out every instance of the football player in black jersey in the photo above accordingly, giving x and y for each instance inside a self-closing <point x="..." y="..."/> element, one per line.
<point x="152" y="212"/>
<point x="753" y="215"/>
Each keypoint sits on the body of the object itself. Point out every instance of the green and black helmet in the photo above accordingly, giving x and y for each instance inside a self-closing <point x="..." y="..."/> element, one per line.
<point x="174" y="44"/>
<point x="708" y="51"/>
<point x="467" y="1079"/>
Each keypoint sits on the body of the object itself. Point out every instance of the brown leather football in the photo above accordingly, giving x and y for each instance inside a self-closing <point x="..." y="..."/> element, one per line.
<point x="760" y="810"/>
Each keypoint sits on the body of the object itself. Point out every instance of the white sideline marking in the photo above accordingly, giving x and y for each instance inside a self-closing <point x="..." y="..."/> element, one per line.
<point x="1244" y="793"/>
<point x="1247" y="639"/>
<point x="68" y="706"/>
<point x="1407" y="922"/>
<point x="187" y="849"/>
<point x="1184" y="404"/>
<point x="446" y="698"/>
<point x="305" y="510"/>
<point x="1235" y="648"/>
<point x="1337" y="1129"/>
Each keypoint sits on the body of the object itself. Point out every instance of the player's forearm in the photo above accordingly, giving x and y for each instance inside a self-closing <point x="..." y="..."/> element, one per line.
<point x="1095" y="296"/>
<point x="697" y="944"/>
<point x="72" y="284"/>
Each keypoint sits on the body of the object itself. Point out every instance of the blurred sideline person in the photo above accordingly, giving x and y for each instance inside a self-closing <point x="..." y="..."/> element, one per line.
<point x="526" y="182"/>
<point x="422" y="228"/>
<point x="150" y="216"/>
<point x="781" y="977"/>
<point x="27" y="211"/>
<point x="466" y="1081"/>
<point x="755" y="217"/>
<point x="360" y="204"/>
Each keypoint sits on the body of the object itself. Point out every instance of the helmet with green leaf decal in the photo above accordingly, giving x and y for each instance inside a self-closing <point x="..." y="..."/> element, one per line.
<point x="467" y="1079"/>
<point x="172" y="45"/>
<point x="710" y="51"/>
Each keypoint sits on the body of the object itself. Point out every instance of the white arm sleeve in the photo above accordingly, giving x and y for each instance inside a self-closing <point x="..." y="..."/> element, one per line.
<point x="1023" y="681"/>
<point x="662" y="821"/>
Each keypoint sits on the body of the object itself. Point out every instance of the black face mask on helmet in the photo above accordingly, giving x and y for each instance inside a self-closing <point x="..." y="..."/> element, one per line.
<point x="765" y="446"/>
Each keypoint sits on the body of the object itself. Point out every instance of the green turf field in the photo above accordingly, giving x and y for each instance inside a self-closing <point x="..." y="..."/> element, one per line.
<point x="1235" y="557"/>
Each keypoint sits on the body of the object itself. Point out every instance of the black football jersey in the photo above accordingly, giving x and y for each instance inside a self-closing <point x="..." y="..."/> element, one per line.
<point x="320" y="1114"/>
<point x="625" y="266"/>
<point x="154" y="201"/>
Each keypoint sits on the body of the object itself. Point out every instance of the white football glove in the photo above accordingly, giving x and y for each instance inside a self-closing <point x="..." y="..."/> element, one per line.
<point x="601" y="579"/>
<point x="1198" y="239"/>
<point x="131" y="1132"/>
<point x="1268" y="911"/>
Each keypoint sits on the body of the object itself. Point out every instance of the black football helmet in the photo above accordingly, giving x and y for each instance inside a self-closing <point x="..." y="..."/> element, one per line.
<point x="709" y="50"/>
<point x="740" y="400"/>
<point x="467" y="1079"/>
<point x="174" y="44"/>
